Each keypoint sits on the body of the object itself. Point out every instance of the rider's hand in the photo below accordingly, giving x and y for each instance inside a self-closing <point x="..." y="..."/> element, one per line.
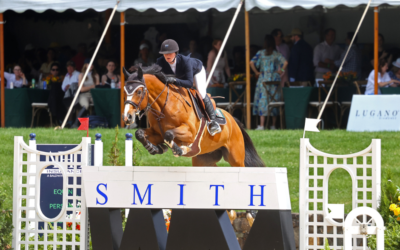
<point x="170" y="80"/>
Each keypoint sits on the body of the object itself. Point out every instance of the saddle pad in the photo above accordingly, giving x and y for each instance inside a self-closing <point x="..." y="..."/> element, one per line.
<point x="220" y="118"/>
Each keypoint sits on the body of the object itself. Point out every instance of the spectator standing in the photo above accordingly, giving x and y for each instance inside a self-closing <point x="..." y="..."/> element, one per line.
<point x="144" y="57"/>
<point x="80" y="57"/>
<point x="272" y="65"/>
<point x="282" y="48"/>
<point x="56" y="96"/>
<point x="353" y="60"/>
<point x="46" y="66"/>
<point x="193" y="50"/>
<point x="301" y="59"/>
<point x="85" y="98"/>
<point x="382" y="52"/>
<point x="110" y="76"/>
<point x="18" y="78"/>
<point x="383" y="79"/>
<point x="326" y="53"/>
<point x="395" y="72"/>
<point x="222" y="64"/>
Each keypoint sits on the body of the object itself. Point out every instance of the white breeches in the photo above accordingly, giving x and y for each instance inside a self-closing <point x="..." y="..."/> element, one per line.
<point x="200" y="81"/>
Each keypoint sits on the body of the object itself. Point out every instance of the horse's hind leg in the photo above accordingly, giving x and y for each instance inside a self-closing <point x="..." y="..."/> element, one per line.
<point x="234" y="155"/>
<point x="207" y="160"/>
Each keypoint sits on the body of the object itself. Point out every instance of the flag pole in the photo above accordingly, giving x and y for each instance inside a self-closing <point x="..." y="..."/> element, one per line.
<point x="90" y="64"/>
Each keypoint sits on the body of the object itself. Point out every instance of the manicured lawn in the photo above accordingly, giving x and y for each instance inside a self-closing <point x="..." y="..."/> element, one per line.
<point x="277" y="149"/>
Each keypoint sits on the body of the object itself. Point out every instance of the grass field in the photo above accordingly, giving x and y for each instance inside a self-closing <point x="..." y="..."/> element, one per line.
<point x="277" y="149"/>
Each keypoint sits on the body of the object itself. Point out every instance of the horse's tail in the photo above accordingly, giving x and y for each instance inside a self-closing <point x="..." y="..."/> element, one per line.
<point x="251" y="159"/>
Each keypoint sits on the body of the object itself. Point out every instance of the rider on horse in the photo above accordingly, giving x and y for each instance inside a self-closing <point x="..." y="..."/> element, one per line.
<point x="188" y="72"/>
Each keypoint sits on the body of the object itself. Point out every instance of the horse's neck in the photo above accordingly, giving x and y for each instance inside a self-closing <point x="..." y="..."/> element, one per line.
<point x="155" y="87"/>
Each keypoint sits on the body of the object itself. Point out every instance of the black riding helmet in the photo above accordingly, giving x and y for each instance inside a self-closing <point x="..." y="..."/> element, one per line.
<point x="169" y="46"/>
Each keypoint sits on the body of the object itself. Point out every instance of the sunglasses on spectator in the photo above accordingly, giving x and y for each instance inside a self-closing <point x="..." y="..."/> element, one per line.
<point x="55" y="69"/>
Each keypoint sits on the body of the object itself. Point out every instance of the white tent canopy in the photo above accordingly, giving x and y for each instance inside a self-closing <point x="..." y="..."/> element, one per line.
<point x="309" y="4"/>
<point x="102" y="5"/>
<point x="179" y="5"/>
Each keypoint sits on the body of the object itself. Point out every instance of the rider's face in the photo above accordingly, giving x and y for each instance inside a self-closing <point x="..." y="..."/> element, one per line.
<point x="169" y="57"/>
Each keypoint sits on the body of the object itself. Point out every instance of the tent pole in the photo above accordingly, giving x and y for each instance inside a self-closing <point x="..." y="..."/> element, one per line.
<point x="3" y="121"/>
<point x="107" y="39"/>
<point x="90" y="65"/>
<point x="376" y="48"/>
<point x="248" y="90"/>
<point x="122" y="64"/>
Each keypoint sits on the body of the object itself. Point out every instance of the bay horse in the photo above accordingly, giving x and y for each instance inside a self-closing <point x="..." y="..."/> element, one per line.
<point x="174" y="124"/>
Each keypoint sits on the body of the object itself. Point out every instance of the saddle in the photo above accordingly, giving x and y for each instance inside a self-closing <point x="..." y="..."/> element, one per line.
<point x="200" y="107"/>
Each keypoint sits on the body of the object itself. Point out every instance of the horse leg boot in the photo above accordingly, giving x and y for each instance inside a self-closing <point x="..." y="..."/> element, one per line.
<point x="80" y="114"/>
<point x="169" y="140"/>
<point x="213" y="126"/>
<point x="151" y="148"/>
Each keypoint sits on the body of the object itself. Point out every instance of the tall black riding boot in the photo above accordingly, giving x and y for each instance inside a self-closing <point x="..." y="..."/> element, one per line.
<point x="80" y="114"/>
<point x="213" y="126"/>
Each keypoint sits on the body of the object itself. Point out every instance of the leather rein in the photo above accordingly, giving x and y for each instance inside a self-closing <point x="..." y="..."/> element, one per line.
<point x="158" y="114"/>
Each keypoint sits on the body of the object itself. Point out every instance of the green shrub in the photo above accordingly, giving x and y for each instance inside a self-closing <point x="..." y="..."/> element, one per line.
<point x="390" y="194"/>
<point x="392" y="237"/>
<point x="114" y="153"/>
<point x="6" y="226"/>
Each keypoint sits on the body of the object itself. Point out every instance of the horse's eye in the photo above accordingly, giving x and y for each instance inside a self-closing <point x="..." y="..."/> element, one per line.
<point x="139" y="92"/>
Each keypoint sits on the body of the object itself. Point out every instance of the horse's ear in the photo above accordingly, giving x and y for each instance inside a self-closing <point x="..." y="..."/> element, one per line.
<point x="140" y="73"/>
<point x="126" y="73"/>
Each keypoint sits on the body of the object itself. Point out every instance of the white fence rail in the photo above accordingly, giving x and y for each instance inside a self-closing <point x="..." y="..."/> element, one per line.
<point x="32" y="229"/>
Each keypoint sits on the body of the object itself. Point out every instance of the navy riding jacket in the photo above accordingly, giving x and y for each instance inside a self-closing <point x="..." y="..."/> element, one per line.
<point x="186" y="68"/>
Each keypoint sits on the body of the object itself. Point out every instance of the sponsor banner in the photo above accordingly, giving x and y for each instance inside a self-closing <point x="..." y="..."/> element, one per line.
<point x="51" y="181"/>
<point x="164" y="187"/>
<point x="374" y="113"/>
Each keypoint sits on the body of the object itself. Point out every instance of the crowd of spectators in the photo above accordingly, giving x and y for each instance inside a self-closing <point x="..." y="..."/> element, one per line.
<point x="282" y="59"/>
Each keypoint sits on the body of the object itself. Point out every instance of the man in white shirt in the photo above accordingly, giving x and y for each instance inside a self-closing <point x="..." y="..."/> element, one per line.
<point x="18" y="78"/>
<point x="70" y="77"/>
<point x="326" y="53"/>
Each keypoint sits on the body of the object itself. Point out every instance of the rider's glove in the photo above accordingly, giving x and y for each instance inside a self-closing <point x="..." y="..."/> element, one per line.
<point x="170" y="80"/>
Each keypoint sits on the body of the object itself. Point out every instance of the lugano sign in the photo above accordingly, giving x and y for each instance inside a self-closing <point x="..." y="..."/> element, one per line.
<point x="187" y="187"/>
<point x="374" y="113"/>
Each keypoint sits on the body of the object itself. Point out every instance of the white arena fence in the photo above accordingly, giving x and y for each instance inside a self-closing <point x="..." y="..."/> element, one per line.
<point x="320" y="220"/>
<point x="32" y="229"/>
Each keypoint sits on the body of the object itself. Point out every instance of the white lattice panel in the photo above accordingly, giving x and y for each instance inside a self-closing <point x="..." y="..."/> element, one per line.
<point x="32" y="229"/>
<point x="320" y="220"/>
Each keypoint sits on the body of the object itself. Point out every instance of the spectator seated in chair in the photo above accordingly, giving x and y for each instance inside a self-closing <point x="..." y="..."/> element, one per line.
<point x="56" y="96"/>
<point x="85" y="97"/>
<point x="395" y="72"/>
<point x="110" y="77"/>
<point x="383" y="79"/>
<point x="18" y="78"/>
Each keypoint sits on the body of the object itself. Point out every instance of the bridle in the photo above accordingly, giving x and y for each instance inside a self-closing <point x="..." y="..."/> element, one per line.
<point x="158" y="114"/>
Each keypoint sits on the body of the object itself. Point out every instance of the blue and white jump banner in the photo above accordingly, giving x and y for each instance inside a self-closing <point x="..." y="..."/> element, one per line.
<point x="198" y="197"/>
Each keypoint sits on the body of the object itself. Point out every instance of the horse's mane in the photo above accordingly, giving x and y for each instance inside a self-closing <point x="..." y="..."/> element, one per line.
<point x="154" y="70"/>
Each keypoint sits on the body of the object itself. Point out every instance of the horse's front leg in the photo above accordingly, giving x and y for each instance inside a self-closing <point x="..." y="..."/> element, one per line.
<point x="181" y="133"/>
<point x="151" y="141"/>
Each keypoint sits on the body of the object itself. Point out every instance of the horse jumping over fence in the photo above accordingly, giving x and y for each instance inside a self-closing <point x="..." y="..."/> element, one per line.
<point x="174" y="123"/>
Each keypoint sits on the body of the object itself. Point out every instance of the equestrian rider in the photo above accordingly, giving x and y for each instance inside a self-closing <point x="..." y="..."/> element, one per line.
<point x="188" y="72"/>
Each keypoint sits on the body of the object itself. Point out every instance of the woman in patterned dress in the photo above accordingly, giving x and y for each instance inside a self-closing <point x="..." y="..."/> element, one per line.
<point x="272" y="66"/>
